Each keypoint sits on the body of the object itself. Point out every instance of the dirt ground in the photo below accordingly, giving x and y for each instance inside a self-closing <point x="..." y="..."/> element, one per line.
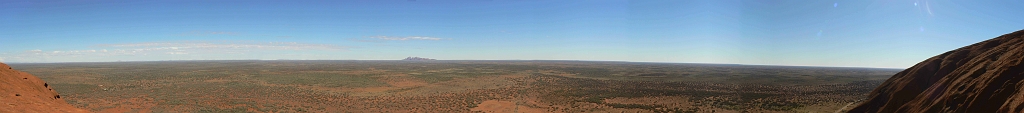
<point x="497" y="106"/>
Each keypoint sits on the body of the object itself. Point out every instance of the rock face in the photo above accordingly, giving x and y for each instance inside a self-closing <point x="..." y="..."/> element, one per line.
<point x="21" y="92"/>
<point x="985" y="77"/>
<point x="416" y="58"/>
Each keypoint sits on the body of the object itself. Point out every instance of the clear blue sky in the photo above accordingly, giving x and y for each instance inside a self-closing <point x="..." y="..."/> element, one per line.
<point x="849" y="33"/>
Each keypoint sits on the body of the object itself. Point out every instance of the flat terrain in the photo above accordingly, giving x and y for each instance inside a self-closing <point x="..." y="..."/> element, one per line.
<point x="453" y="86"/>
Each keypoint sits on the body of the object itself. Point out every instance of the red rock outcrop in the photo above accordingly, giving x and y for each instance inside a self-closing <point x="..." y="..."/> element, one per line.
<point x="984" y="77"/>
<point x="21" y="92"/>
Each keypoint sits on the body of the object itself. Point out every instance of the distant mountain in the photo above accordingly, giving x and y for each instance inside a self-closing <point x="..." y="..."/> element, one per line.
<point x="21" y="92"/>
<point x="417" y="58"/>
<point x="985" y="77"/>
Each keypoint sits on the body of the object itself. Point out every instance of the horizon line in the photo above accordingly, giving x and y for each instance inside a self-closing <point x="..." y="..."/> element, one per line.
<point x="463" y="60"/>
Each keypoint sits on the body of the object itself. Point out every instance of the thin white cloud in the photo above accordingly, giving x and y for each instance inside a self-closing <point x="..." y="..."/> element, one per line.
<point x="190" y="48"/>
<point x="1" y="59"/>
<point x="928" y="8"/>
<point x="405" y="38"/>
<point x="177" y="53"/>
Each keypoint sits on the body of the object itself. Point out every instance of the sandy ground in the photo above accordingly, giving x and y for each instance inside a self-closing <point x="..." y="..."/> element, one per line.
<point x="497" y="106"/>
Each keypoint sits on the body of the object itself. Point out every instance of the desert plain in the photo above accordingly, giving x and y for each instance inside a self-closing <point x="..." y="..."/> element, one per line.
<point x="454" y="86"/>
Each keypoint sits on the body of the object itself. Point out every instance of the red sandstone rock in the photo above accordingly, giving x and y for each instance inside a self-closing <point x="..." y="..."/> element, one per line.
<point x="21" y="92"/>
<point x="985" y="77"/>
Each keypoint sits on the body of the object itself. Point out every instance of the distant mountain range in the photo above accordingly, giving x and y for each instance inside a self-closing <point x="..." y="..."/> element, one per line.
<point x="417" y="58"/>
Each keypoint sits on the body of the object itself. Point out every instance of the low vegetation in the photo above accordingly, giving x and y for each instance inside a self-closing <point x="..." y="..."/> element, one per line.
<point x="453" y="86"/>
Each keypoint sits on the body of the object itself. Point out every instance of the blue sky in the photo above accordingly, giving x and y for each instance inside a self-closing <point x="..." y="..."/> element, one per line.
<point x="847" y="33"/>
